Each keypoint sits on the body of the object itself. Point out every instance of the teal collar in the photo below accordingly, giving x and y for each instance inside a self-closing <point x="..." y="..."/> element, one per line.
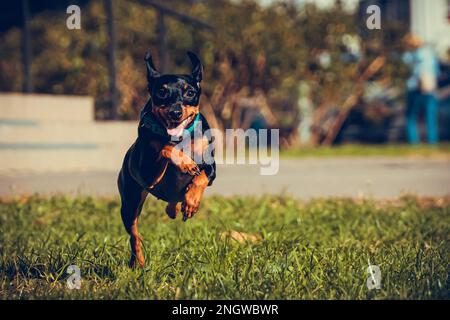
<point x="149" y="122"/>
<point x="194" y="123"/>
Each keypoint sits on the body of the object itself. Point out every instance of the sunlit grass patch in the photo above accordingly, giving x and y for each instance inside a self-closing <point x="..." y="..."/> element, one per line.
<point x="245" y="248"/>
<point x="441" y="150"/>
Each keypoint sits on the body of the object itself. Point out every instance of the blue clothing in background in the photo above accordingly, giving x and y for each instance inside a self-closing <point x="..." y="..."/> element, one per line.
<point x="415" y="101"/>
<point x="421" y="62"/>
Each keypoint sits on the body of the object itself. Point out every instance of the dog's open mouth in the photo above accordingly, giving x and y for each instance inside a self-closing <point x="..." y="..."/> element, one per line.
<point x="179" y="128"/>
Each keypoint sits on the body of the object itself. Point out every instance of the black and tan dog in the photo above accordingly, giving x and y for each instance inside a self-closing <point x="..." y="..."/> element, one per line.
<point x="154" y="164"/>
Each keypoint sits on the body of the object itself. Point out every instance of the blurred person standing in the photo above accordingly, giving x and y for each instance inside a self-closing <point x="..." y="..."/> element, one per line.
<point x="421" y="87"/>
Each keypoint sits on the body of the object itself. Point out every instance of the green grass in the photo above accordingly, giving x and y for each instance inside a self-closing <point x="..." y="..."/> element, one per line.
<point x="308" y="250"/>
<point x="388" y="150"/>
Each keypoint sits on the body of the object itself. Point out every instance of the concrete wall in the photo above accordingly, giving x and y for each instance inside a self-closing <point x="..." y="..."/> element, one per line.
<point x="44" y="107"/>
<point x="58" y="133"/>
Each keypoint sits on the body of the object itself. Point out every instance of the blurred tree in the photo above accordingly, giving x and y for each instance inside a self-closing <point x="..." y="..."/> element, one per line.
<point x="254" y="51"/>
<point x="26" y="42"/>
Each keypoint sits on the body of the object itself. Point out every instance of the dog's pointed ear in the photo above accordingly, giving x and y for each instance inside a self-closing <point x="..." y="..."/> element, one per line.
<point x="197" y="68"/>
<point x="152" y="73"/>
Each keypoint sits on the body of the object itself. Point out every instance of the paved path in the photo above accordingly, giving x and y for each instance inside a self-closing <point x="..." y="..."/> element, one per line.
<point x="303" y="178"/>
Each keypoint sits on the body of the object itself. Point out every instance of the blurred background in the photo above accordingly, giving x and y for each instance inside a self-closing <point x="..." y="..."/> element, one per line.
<point x="70" y="98"/>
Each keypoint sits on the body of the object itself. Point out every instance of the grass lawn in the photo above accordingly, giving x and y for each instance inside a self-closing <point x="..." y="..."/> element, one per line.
<point x="388" y="150"/>
<point x="287" y="249"/>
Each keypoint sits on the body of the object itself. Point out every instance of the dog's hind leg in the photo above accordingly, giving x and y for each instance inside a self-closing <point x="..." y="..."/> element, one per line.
<point x="133" y="197"/>
<point x="172" y="209"/>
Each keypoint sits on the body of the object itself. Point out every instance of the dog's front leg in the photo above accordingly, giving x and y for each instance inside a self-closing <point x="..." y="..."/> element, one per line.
<point x="194" y="195"/>
<point x="180" y="159"/>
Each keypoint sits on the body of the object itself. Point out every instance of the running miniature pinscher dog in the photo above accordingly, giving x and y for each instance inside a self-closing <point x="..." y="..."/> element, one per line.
<point x="154" y="164"/>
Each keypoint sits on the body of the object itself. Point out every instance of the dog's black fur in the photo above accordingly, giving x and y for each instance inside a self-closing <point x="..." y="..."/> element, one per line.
<point x="148" y="166"/>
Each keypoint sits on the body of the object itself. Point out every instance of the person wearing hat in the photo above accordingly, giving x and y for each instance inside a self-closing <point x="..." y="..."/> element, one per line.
<point x="421" y="87"/>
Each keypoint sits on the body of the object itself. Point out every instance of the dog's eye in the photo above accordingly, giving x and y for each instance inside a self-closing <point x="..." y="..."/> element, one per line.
<point x="189" y="93"/>
<point x="162" y="93"/>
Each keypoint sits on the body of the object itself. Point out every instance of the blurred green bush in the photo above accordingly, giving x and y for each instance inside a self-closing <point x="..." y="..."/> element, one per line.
<point x="252" y="50"/>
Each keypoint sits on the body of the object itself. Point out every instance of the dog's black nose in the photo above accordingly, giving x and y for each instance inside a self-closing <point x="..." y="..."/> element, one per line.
<point x="176" y="114"/>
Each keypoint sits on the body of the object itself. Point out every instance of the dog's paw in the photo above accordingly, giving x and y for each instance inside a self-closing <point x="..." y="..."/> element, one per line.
<point x="136" y="262"/>
<point x="192" y="200"/>
<point x="189" y="208"/>
<point x="190" y="168"/>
